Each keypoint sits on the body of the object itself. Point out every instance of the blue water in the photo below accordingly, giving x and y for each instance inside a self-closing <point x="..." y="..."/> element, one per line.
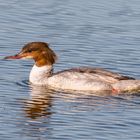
<point x="83" y="33"/>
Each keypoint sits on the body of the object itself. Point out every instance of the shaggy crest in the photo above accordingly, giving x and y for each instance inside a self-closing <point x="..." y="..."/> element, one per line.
<point x="40" y="52"/>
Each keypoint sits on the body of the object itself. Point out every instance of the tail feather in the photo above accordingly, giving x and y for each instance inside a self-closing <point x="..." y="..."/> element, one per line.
<point x="127" y="86"/>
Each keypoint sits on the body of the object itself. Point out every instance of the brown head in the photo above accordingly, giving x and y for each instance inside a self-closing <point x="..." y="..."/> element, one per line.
<point x="39" y="51"/>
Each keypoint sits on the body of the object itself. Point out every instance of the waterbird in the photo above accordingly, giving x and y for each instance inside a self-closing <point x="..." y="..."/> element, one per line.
<point x="74" y="79"/>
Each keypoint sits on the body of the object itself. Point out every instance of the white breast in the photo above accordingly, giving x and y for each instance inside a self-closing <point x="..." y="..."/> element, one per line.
<point x="39" y="75"/>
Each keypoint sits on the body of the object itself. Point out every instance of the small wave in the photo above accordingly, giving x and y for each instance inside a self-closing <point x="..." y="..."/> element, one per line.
<point x="23" y="83"/>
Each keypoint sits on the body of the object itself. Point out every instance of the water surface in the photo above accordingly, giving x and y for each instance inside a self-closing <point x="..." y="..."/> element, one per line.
<point x="83" y="33"/>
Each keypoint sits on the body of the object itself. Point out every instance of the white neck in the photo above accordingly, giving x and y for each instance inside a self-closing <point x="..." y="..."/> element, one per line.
<point x="39" y="75"/>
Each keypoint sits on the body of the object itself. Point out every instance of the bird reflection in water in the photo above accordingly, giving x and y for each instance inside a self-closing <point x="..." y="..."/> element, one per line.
<point x="39" y="103"/>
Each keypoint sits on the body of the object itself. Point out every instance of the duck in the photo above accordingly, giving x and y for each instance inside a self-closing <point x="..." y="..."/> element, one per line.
<point x="74" y="79"/>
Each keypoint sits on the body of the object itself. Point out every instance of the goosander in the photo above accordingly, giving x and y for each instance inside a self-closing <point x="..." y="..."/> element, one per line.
<point x="76" y="79"/>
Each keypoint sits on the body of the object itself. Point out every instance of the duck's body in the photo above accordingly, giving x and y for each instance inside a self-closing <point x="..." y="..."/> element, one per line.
<point x="84" y="78"/>
<point x="81" y="79"/>
<point x="71" y="79"/>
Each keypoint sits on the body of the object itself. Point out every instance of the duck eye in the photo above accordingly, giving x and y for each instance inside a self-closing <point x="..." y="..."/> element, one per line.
<point x="29" y="51"/>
